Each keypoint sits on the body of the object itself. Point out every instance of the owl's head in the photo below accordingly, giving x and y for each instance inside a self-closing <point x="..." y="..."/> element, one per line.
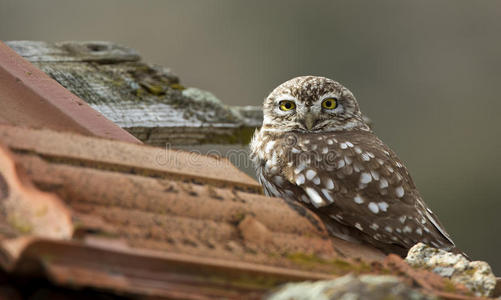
<point x="312" y="104"/>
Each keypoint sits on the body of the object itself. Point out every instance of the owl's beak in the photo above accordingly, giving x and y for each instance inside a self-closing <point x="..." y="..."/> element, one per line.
<point x="309" y="121"/>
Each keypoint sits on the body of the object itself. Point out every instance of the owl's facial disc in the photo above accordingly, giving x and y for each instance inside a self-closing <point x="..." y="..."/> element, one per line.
<point x="311" y="104"/>
<point x="307" y="115"/>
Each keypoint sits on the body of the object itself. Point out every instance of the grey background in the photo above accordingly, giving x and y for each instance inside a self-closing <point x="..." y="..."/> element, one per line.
<point x="427" y="73"/>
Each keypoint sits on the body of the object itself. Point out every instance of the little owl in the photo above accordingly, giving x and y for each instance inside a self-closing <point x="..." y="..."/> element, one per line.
<point x="315" y="147"/>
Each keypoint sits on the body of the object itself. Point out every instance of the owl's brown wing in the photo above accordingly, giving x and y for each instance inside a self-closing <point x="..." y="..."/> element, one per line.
<point x="353" y="179"/>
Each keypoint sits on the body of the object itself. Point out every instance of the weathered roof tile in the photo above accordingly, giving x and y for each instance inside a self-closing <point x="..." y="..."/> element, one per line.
<point x="128" y="209"/>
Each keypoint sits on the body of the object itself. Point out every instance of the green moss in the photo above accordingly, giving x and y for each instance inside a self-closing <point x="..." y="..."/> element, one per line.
<point x="154" y="89"/>
<point x="116" y="83"/>
<point x="177" y="86"/>
<point x="449" y="286"/>
<point x="470" y="272"/>
<point x="251" y="282"/>
<point x="240" y="135"/>
<point x="19" y="224"/>
<point x="139" y="93"/>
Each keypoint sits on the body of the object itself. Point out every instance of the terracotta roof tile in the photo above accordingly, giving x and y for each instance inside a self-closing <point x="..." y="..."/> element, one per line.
<point x="125" y="157"/>
<point x="169" y="225"/>
<point x="25" y="209"/>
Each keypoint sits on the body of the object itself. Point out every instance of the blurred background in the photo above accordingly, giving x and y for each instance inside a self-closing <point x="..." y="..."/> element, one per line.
<point x="426" y="72"/>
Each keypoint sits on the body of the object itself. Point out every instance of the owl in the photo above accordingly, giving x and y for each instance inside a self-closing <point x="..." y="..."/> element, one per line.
<point x="315" y="148"/>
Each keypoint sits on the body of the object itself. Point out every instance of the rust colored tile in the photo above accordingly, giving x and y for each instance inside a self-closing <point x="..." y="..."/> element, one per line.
<point x="167" y="215"/>
<point x="164" y="275"/>
<point x="32" y="98"/>
<point x="25" y="209"/>
<point x="176" y="230"/>
<point x="125" y="157"/>
<point x="194" y="212"/>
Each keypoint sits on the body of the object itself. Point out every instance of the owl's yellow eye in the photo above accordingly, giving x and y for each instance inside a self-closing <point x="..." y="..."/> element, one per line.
<point x="329" y="103"/>
<point x="286" y="105"/>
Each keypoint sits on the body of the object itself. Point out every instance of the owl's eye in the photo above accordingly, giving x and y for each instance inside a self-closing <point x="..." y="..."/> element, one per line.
<point x="286" y="105"/>
<point x="329" y="103"/>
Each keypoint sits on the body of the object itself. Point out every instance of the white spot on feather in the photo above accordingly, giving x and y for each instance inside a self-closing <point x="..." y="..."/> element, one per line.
<point x="300" y="167"/>
<point x="383" y="206"/>
<point x="340" y="163"/>
<point x="315" y="197"/>
<point x="399" y="191"/>
<point x="300" y="179"/>
<point x="358" y="199"/>
<point x="327" y="195"/>
<point x="310" y="174"/>
<point x="365" y="177"/>
<point x="359" y="227"/>
<point x="373" y="207"/>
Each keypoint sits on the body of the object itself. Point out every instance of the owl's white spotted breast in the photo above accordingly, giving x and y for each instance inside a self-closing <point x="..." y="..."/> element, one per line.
<point x="352" y="178"/>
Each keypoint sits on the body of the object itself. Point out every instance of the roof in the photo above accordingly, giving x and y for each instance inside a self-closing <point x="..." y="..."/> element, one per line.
<point x="189" y="214"/>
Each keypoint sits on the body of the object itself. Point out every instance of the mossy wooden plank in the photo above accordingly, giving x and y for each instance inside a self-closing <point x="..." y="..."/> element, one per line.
<point x="148" y="101"/>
